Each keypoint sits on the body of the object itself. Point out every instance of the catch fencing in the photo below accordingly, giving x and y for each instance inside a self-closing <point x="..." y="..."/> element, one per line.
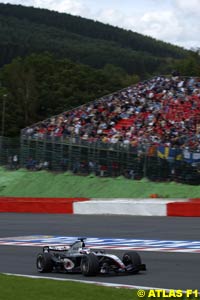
<point x="100" y="159"/>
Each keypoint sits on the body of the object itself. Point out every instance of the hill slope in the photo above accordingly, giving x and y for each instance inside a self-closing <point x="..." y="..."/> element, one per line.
<point x="26" y="30"/>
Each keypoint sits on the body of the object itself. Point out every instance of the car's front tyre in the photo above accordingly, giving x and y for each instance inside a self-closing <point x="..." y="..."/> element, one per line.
<point x="132" y="261"/>
<point x="89" y="265"/>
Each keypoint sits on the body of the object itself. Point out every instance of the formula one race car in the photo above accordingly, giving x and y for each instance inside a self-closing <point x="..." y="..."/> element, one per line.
<point x="80" y="259"/>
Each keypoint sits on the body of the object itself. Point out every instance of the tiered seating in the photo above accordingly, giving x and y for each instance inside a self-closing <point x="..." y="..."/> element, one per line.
<point x="161" y="110"/>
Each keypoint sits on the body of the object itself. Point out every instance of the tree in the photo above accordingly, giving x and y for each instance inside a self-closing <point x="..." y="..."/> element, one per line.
<point x="19" y="80"/>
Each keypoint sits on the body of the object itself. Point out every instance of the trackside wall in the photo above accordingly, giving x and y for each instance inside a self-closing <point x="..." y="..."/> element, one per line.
<point x="135" y="207"/>
<point x="38" y="205"/>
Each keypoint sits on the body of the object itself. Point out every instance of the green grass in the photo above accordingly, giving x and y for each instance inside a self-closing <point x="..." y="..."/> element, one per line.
<point x="43" y="289"/>
<point x="46" y="184"/>
<point x="23" y="288"/>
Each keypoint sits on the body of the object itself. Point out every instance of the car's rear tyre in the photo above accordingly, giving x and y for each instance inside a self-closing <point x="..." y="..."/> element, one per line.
<point x="44" y="263"/>
<point x="132" y="258"/>
<point x="89" y="265"/>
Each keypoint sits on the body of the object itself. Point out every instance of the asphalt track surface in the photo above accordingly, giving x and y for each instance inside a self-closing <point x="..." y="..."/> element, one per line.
<point x="165" y="270"/>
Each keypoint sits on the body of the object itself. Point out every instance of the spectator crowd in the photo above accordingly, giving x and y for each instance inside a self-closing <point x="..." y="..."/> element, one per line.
<point x="163" y="110"/>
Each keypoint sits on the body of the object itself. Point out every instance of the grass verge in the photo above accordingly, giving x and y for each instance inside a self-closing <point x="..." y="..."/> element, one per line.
<point x="43" y="289"/>
<point x="47" y="184"/>
<point x="15" y="287"/>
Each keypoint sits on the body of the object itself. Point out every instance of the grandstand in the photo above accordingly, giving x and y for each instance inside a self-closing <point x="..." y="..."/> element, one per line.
<point x="162" y="111"/>
<point x="151" y="129"/>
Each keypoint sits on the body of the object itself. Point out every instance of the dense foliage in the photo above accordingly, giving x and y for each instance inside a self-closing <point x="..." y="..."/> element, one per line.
<point x="26" y="30"/>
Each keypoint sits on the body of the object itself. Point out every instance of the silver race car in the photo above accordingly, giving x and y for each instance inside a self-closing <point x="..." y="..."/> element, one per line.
<point x="79" y="259"/>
